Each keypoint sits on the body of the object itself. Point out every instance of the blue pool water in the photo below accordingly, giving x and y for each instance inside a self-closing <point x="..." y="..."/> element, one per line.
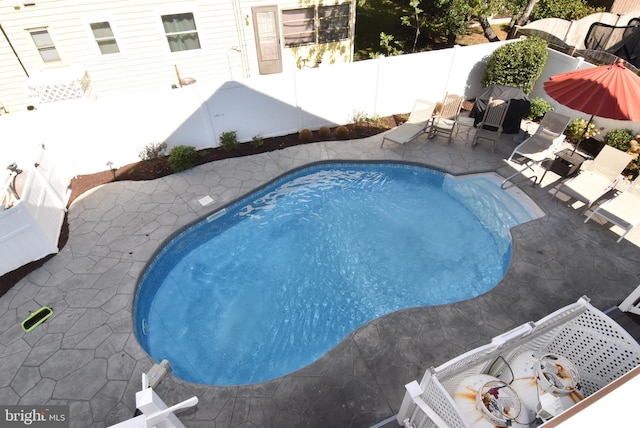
<point x="272" y="282"/>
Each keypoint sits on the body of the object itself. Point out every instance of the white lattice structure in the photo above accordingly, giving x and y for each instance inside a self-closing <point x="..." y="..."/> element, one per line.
<point x="59" y="85"/>
<point x="600" y="349"/>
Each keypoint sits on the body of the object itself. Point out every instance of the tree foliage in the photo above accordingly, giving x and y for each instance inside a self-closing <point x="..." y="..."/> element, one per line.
<point x="517" y="64"/>
<point x="563" y="9"/>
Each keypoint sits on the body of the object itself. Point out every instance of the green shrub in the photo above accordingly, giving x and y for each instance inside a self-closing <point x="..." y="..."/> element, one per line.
<point x="342" y="132"/>
<point x="152" y="151"/>
<point x="305" y="135"/>
<point x="229" y="140"/>
<point x="324" y="132"/>
<point x="257" y="141"/>
<point x="517" y="64"/>
<point x="619" y="138"/>
<point x="182" y="158"/>
<point x="539" y="107"/>
<point x="563" y="9"/>
<point x="575" y="131"/>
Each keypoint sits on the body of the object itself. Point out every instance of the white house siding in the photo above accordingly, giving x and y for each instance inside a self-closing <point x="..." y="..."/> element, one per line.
<point x="225" y="32"/>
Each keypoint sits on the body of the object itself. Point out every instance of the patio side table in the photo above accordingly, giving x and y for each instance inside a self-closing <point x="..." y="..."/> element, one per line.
<point x="468" y="127"/>
<point x="566" y="163"/>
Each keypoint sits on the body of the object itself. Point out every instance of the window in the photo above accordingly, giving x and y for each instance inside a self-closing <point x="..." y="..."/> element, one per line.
<point x="333" y="23"/>
<point x="298" y="26"/>
<point x="104" y="38"/>
<point x="45" y="45"/>
<point x="181" y="32"/>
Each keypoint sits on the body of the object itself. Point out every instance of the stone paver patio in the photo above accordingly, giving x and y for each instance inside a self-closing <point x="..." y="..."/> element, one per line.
<point x="87" y="356"/>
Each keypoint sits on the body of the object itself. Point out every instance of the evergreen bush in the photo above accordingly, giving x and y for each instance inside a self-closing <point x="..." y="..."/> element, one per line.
<point x="229" y="140"/>
<point x="305" y="135"/>
<point x="517" y="64"/>
<point x="342" y="132"/>
<point x="539" y="107"/>
<point x="182" y="158"/>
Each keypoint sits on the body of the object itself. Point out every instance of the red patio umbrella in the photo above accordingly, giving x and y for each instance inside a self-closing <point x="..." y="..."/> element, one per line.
<point x="608" y="91"/>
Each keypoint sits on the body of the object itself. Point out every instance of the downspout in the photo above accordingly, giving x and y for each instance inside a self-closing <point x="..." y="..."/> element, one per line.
<point x="237" y="12"/>
<point x="14" y="51"/>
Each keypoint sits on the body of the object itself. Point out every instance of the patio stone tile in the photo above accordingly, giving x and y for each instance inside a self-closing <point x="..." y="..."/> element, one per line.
<point x="83" y="383"/>
<point x="26" y="378"/>
<point x="115" y="342"/>
<point x="117" y="303"/>
<point x="104" y="295"/>
<point x="66" y="361"/>
<point x="77" y="282"/>
<point x="91" y="319"/>
<point x="106" y="399"/>
<point x="120" y="366"/>
<point x="41" y="353"/>
<point x="81" y="408"/>
<point x="39" y="394"/>
<point x="61" y="321"/>
<point x="11" y="363"/>
<point x="8" y="396"/>
<point x="97" y="336"/>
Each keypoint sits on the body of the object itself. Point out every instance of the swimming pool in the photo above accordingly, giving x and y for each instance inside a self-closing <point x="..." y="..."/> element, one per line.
<point x="270" y="283"/>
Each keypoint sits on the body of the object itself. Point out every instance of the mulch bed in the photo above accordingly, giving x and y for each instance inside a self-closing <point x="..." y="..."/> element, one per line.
<point x="159" y="167"/>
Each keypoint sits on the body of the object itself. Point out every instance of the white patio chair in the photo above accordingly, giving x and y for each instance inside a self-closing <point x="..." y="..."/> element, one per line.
<point x="417" y="123"/>
<point x="541" y="145"/>
<point x="596" y="177"/>
<point x="623" y="210"/>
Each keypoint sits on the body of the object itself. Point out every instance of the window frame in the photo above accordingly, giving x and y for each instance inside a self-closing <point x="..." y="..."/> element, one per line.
<point x="48" y="47"/>
<point x="330" y="19"/>
<point x="97" y="39"/>
<point x="312" y="33"/>
<point x="174" y="33"/>
<point x="323" y="32"/>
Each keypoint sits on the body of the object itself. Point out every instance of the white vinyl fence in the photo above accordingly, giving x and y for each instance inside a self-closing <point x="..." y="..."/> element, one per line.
<point x="30" y="226"/>
<point x="115" y="129"/>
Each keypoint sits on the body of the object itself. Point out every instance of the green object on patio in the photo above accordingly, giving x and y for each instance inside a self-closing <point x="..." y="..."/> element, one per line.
<point x="36" y="318"/>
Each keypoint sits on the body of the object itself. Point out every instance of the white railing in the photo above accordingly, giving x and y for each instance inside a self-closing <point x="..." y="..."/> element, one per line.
<point x="600" y="349"/>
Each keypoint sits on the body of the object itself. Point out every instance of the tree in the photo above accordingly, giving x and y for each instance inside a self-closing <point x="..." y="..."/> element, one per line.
<point x="523" y="19"/>
<point x="415" y="21"/>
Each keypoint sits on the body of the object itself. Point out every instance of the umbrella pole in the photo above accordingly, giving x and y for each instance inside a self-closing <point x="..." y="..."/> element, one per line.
<point x="584" y="132"/>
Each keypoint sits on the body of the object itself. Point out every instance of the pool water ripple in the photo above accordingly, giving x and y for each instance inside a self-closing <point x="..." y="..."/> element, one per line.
<point x="290" y="270"/>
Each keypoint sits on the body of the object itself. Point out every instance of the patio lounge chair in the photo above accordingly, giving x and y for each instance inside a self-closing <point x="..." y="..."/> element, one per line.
<point x="541" y="145"/>
<point x="623" y="210"/>
<point x="417" y="123"/>
<point x="444" y="121"/>
<point x="490" y="128"/>
<point x="596" y="177"/>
